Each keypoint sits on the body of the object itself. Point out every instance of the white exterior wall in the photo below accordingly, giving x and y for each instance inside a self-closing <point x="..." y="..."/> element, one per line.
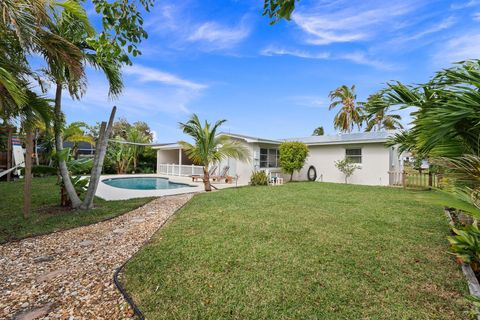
<point x="374" y="167"/>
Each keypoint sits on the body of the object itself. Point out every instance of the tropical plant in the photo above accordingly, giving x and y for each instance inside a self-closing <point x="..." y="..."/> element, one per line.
<point x="377" y="116"/>
<point x="350" y="114"/>
<point x="137" y="140"/>
<point x="318" y="132"/>
<point x="259" y="178"/>
<point x="465" y="245"/>
<point x="446" y="114"/>
<point x="347" y="167"/>
<point x="292" y="156"/>
<point x="209" y="147"/>
<point x="121" y="154"/>
<point x="75" y="133"/>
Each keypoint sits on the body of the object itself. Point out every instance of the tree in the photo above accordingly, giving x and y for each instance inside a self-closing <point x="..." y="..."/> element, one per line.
<point x="318" y="132"/>
<point x="347" y="167"/>
<point x="278" y="9"/>
<point x="76" y="29"/>
<point x="377" y="116"/>
<point x="209" y="147"/>
<point x="446" y="114"/>
<point x="137" y="137"/>
<point x="75" y="133"/>
<point x="292" y="156"/>
<point x="350" y="113"/>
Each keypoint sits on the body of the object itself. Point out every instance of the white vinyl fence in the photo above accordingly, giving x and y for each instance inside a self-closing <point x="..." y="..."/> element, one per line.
<point x="179" y="170"/>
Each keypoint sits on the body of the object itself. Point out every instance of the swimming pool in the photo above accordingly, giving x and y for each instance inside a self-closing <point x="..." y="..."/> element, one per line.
<point x="144" y="183"/>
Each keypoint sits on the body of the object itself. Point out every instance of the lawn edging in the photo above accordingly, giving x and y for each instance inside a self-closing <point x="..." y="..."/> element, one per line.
<point x="117" y="272"/>
<point x="472" y="281"/>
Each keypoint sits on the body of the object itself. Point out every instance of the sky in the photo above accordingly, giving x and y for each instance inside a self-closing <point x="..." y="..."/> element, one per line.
<point x="222" y="60"/>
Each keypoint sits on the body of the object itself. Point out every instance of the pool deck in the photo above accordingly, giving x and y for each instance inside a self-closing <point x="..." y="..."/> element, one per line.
<point x="107" y="192"/>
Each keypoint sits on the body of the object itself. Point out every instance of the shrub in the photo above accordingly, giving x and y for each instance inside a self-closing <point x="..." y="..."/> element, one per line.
<point x="347" y="167"/>
<point x="292" y="156"/>
<point x="42" y="171"/>
<point x="259" y="178"/>
<point x="465" y="245"/>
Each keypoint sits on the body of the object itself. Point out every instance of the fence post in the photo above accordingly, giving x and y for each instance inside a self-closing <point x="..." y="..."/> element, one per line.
<point x="404" y="179"/>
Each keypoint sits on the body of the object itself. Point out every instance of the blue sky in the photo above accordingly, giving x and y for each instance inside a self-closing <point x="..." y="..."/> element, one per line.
<point x="222" y="60"/>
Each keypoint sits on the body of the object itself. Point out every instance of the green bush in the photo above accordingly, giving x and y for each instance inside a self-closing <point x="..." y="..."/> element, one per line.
<point x="42" y="171"/>
<point x="465" y="245"/>
<point x="259" y="178"/>
<point x="292" y="156"/>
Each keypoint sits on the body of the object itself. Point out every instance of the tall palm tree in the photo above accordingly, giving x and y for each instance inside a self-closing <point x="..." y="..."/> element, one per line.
<point x="75" y="28"/>
<point x="209" y="147"/>
<point x="377" y="116"/>
<point x="350" y="113"/>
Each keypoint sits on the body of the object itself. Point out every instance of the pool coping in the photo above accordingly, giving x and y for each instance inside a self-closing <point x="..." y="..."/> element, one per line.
<point x="110" y="193"/>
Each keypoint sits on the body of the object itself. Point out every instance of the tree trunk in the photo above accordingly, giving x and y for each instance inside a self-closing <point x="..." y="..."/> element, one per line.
<point x="27" y="190"/>
<point x="206" y="179"/>
<point x="291" y="177"/>
<point x="9" y="151"/>
<point x="62" y="165"/>
<point x="100" y="151"/>
<point x="37" y="161"/>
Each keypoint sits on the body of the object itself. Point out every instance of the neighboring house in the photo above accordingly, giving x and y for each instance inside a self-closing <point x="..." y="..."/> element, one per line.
<point x="367" y="149"/>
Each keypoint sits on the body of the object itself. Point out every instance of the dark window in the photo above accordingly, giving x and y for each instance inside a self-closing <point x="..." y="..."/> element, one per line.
<point x="354" y="154"/>
<point x="269" y="158"/>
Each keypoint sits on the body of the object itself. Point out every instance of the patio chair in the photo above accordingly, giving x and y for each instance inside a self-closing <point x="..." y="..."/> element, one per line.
<point x="197" y="177"/>
<point x="223" y="175"/>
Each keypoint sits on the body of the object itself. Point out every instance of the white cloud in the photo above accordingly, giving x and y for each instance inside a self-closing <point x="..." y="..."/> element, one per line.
<point x="146" y="74"/>
<point x="348" y="23"/>
<point x="476" y="16"/>
<point x="308" y="101"/>
<point x="443" y="25"/>
<point x="218" y="36"/>
<point x="355" y="57"/>
<point x="464" y="4"/>
<point x="179" y="28"/>
<point x="459" y="48"/>
<point x="274" y="51"/>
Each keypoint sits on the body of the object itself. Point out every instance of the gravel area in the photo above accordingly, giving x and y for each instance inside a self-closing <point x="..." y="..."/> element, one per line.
<point x="69" y="274"/>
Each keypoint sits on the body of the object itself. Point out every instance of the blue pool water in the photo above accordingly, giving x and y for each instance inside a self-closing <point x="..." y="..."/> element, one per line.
<point x="144" y="183"/>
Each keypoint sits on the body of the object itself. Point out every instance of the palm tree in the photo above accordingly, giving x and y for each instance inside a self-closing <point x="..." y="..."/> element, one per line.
<point x="75" y="28"/>
<point x="377" y="116"/>
<point x="350" y="114"/>
<point x="137" y="138"/>
<point x="209" y="147"/>
<point x="318" y="132"/>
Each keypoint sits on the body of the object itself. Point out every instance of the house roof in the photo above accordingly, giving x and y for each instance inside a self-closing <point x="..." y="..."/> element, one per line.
<point x="250" y="139"/>
<point x="341" y="138"/>
<point x="346" y="138"/>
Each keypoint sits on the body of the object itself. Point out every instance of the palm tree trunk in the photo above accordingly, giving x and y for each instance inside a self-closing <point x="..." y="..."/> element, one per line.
<point x="9" y="151"/>
<point x="62" y="165"/>
<point x="100" y="151"/>
<point x="37" y="160"/>
<point x="206" y="179"/>
<point x="27" y="190"/>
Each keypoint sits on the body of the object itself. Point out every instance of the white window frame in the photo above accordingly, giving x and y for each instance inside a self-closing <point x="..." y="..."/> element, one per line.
<point x="357" y="159"/>
<point x="268" y="161"/>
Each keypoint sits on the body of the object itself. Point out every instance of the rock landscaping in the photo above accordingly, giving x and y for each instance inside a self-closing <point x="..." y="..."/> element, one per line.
<point x="68" y="274"/>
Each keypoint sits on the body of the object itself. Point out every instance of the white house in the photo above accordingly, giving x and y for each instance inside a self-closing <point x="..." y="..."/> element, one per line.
<point x="367" y="149"/>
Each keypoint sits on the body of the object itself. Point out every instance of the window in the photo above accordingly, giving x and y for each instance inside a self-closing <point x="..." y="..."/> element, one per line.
<point x="269" y="158"/>
<point x="354" y="154"/>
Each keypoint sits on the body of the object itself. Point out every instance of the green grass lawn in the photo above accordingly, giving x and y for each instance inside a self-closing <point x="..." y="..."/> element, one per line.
<point x="47" y="216"/>
<point x="301" y="251"/>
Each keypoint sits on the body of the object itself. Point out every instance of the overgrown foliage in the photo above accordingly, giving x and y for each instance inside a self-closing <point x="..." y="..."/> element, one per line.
<point x="259" y="178"/>
<point x="292" y="156"/>
<point x="445" y="127"/>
